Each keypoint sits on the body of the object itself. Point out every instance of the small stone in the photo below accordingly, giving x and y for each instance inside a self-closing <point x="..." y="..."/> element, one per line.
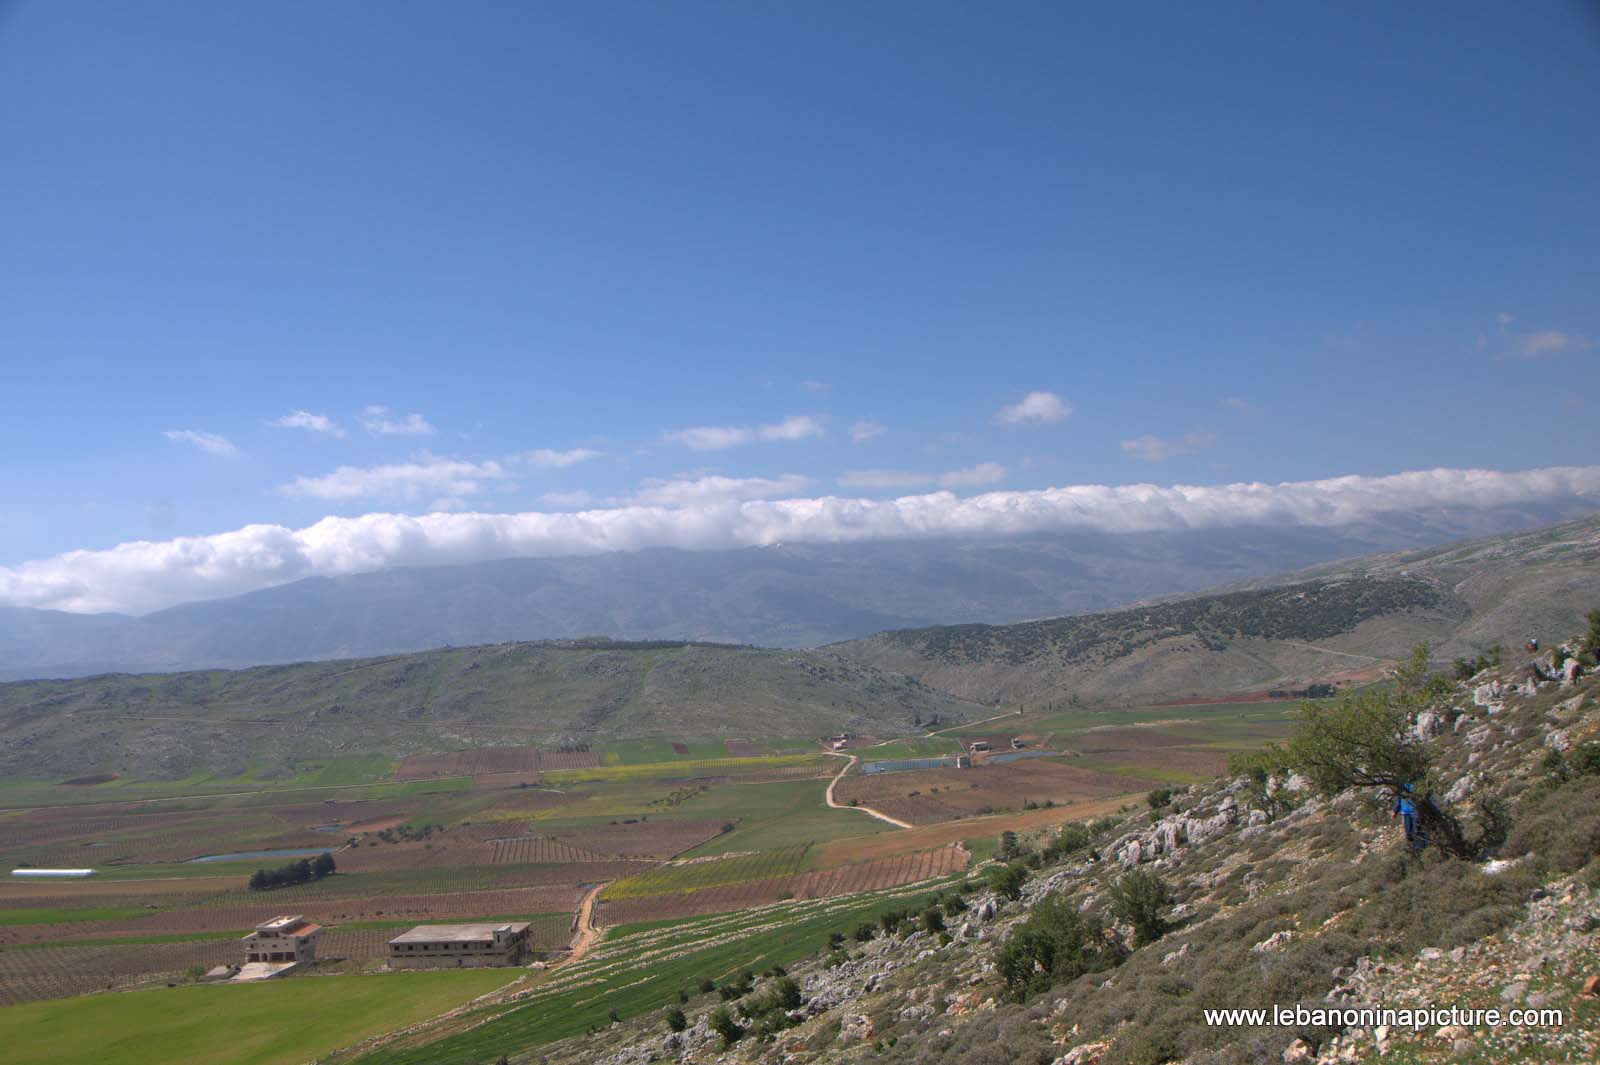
<point x="1299" y="1050"/>
<point x="1591" y="987"/>
<point x="1462" y="1048"/>
<point x="1513" y="992"/>
<point x="1452" y="1032"/>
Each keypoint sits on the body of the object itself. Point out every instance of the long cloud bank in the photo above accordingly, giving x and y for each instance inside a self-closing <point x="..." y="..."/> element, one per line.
<point x="142" y="575"/>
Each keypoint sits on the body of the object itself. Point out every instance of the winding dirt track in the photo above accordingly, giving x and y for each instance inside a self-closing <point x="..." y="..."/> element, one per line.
<point x="869" y="811"/>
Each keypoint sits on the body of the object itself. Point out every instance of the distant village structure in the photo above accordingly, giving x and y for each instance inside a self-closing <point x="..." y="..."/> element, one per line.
<point x="459" y="946"/>
<point x="283" y="939"/>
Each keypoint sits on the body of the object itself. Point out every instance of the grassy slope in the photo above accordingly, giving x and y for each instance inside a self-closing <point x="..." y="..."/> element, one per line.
<point x="168" y="726"/>
<point x="287" y="1021"/>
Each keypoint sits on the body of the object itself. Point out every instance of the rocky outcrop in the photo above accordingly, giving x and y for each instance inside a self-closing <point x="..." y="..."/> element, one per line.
<point x="1175" y="831"/>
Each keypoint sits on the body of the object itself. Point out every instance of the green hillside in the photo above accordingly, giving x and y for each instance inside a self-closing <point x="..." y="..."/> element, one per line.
<point x="271" y="719"/>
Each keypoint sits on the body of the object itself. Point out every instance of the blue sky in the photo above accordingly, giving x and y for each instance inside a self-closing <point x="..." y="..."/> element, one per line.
<point x="1248" y="242"/>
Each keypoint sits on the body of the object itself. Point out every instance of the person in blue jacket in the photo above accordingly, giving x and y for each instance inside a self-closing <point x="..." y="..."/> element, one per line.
<point x="1406" y="809"/>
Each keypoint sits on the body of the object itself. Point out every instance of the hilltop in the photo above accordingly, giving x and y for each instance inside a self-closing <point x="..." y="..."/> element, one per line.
<point x="270" y="718"/>
<point x="1336" y="621"/>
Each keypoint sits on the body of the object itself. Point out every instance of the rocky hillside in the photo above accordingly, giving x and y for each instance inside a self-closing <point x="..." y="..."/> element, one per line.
<point x="160" y="726"/>
<point x="1105" y="944"/>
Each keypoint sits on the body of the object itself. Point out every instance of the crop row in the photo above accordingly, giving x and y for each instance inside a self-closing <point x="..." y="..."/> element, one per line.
<point x="874" y="875"/>
<point x="532" y="849"/>
<point x="29" y="975"/>
<point x="695" y="875"/>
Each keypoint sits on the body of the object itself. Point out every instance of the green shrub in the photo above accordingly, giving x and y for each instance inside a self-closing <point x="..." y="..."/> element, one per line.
<point x="676" y="1021"/>
<point x="1007" y="880"/>
<point x="1055" y="944"/>
<point x="1070" y="840"/>
<point x="1138" y="898"/>
<point x="723" y="1024"/>
<point x="1557" y="828"/>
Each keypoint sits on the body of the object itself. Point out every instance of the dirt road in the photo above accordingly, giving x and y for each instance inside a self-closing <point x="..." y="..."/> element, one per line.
<point x="587" y="932"/>
<point x="869" y="811"/>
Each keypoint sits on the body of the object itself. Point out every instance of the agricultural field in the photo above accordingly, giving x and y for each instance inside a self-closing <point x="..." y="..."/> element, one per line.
<point x="700" y="857"/>
<point x="873" y="875"/>
<point x="638" y="968"/>
<point x="184" y="1023"/>
<point x="928" y="796"/>
<point x="1170" y="744"/>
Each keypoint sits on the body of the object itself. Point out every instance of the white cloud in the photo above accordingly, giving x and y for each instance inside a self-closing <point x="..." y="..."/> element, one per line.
<point x="547" y="459"/>
<point x="210" y="443"/>
<point x="146" y="575"/>
<point x="982" y="473"/>
<point x="1538" y="344"/>
<point x="863" y="431"/>
<point x="301" y="419"/>
<point x="1545" y="342"/>
<point x="711" y="488"/>
<point x="451" y="480"/>
<point x="579" y="498"/>
<point x="1035" y="408"/>
<point x="1244" y="406"/>
<point x="719" y="437"/>
<point x="1157" y="448"/>
<point x="379" y="422"/>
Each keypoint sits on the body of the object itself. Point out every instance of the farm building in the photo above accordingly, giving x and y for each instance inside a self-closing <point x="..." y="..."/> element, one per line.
<point x="283" y="939"/>
<point x="459" y="946"/>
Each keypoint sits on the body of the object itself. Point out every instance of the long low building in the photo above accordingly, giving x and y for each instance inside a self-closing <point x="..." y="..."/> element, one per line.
<point x="459" y="946"/>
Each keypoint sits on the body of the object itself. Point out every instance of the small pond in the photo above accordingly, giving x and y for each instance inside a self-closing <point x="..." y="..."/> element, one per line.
<point x="240" y="856"/>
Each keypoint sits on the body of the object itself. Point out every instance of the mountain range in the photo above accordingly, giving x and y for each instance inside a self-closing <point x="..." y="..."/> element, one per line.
<point x="1344" y="622"/>
<point x="785" y="595"/>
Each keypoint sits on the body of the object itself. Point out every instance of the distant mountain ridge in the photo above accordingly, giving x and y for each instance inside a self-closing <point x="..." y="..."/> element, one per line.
<point x="1284" y="631"/>
<point x="791" y="595"/>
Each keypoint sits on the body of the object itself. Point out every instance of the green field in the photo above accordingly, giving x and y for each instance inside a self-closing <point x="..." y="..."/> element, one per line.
<point x="64" y="915"/>
<point x="770" y="816"/>
<point x="685" y="767"/>
<point x="637" y="752"/>
<point x="282" y="1022"/>
<point x="675" y="879"/>
<point x="639" y="968"/>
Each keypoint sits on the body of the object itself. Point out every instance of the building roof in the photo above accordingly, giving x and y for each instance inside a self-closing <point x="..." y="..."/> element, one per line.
<point x="293" y="925"/>
<point x="458" y="933"/>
